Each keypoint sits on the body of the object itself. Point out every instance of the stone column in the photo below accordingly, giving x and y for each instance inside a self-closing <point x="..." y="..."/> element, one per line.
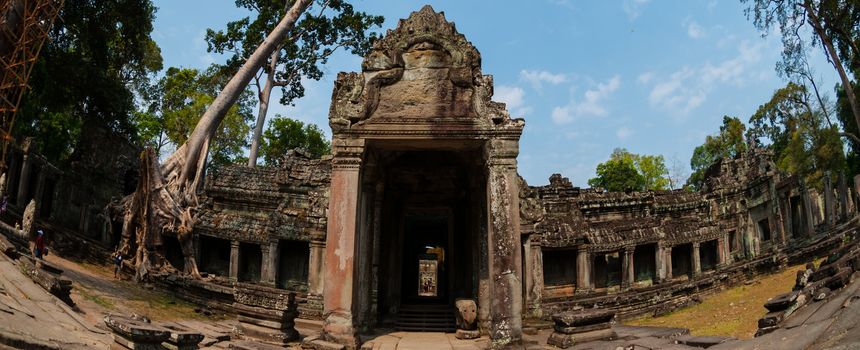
<point x="27" y="164"/>
<point x="628" y="276"/>
<point x="829" y="201"/>
<point x="339" y="290"/>
<point x="269" y="263"/>
<point x="659" y="263"/>
<point x="668" y="255"/>
<point x="234" y="261"/>
<point x="503" y="240"/>
<point x="721" y="251"/>
<point x="583" y="271"/>
<point x="807" y="211"/>
<point x="697" y="262"/>
<point x="843" y="197"/>
<point x="534" y="275"/>
<point x="316" y="267"/>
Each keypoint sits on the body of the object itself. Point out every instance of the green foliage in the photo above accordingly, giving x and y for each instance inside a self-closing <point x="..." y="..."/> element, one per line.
<point x="313" y="39"/>
<point x="846" y="118"/>
<point x="728" y="143"/>
<point x="284" y="134"/>
<point x="176" y="103"/>
<point x="797" y="134"/>
<point x="96" y="54"/>
<point x="625" y="171"/>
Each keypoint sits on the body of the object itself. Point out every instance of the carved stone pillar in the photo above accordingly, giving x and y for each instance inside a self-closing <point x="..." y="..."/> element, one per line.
<point x="503" y="240"/>
<point x="583" y="271"/>
<point x="843" y="197"/>
<point x="721" y="251"/>
<point x="628" y="277"/>
<point x="668" y="255"/>
<point x="313" y="307"/>
<point x="338" y="306"/>
<point x="829" y="201"/>
<point x="534" y="275"/>
<point x="697" y="262"/>
<point x="269" y="265"/>
<point x="807" y="211"/>
<point x="659" y="264"/>
<point x="234" y="261"/>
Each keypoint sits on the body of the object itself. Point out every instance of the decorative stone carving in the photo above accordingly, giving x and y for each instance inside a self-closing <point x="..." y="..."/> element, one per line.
<point x="467" y="319"/>
<point x="29" y="219"/>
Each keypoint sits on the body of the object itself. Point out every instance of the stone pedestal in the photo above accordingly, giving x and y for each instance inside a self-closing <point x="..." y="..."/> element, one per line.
<point x="580" y="326"/>
<point x="266" y="314"/>
<point x="467" y="319"/>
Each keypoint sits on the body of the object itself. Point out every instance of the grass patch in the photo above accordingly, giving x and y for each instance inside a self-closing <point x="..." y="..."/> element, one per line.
<point x="99" y="300"/>
<point x="733" y="312"/>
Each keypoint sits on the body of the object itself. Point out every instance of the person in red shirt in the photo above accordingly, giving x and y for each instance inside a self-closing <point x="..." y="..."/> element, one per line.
<point x="40" y="245"/>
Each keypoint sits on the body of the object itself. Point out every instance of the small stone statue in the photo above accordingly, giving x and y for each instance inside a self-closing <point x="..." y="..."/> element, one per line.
<point x="467" y="317"/>
<point x="29" y="220"/>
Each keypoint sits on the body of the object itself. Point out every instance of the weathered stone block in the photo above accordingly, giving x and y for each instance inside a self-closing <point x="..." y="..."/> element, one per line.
<point x="781" y="302"/>
<point x="583" y="317"/>
<point x="134" y="334"/>
<point x="565" y="341"/>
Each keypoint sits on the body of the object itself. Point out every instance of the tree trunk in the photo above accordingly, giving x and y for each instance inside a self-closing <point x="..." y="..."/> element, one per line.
<point x="213" y="116"/>
<point x="166" y="193"/>
<point x="815" y="22"/>
<point x="265" y="96"/>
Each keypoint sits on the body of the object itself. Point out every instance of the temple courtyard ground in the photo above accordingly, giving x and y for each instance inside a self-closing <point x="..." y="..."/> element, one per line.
<point x="733" y="312"/>
<point x="31" y="316"/>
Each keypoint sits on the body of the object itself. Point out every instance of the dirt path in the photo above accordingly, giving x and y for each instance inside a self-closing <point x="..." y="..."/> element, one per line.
<point x="97" y="293"/>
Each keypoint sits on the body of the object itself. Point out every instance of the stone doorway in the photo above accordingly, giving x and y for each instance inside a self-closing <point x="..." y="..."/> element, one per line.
<point x="429" y="206"/>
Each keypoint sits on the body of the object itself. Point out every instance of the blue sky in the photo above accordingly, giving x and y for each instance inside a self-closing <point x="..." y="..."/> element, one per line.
<point x="651" y="76"/>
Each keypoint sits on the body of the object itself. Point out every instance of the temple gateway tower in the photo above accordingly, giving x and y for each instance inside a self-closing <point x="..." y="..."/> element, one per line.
<point x="424" y="202"/>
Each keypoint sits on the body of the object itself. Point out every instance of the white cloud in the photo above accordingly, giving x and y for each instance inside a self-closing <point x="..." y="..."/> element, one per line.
<point x="646" y="77"/>
<point x="591" y="103"/>
<point x="624" y="132"/>
<point x="687" y="88"/>
<point x="514" y="99"/>
<point x="633" y="8"/>
<point x="538" y="77"/>
<point x="694" y="30"/>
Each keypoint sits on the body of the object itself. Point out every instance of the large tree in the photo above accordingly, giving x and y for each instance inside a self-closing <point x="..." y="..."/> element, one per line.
<point x="335" y="24"/>
<point x="728" y="143"/>
<point x="834" y="27"/>
<point x="625" y="171"/>
<point x="284" y="134"/>
<point x="174" y="105"/>
<point x="795" y="129"/>
<point x="96" y="55"/>
<point x="167" y="193"/>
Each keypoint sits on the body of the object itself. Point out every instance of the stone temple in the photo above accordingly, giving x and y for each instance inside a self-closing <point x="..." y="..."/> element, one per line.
<point x="420" y="205"/>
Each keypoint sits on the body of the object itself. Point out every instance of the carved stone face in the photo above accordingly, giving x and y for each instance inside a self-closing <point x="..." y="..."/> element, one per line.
<point x="467" y="313"/>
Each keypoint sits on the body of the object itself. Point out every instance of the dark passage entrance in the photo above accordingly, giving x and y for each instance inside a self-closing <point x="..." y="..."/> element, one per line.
<point x="430" y="218"/>
<point x="682" y="260"/>
<point x="425" y="260"/>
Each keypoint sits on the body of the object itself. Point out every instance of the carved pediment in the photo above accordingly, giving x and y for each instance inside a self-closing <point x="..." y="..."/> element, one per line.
<point x="422" y="70"/>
